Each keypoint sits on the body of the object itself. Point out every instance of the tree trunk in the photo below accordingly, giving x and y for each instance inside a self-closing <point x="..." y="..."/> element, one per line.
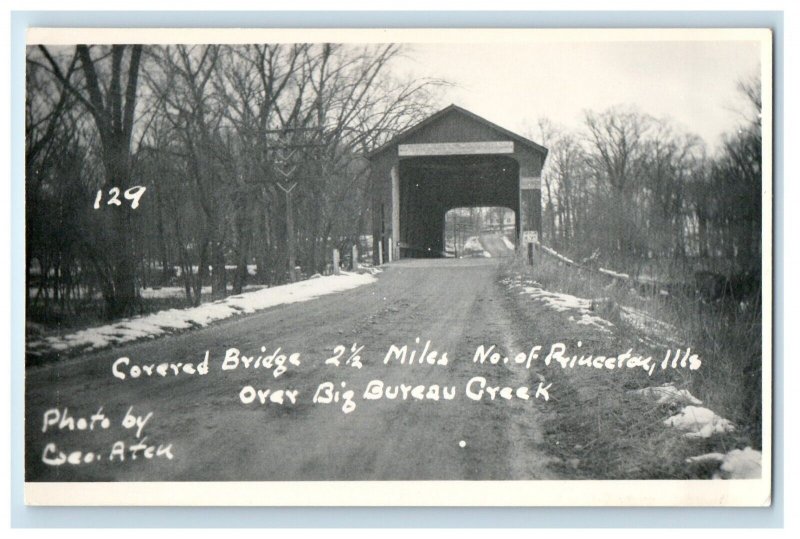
<point x="202" y="273"/>
<point x="123" y="299"/>
<point x="244" y="237"/>
<point x="219" y="281"/>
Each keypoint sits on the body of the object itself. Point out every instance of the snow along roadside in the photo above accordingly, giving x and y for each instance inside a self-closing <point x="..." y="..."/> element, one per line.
<point x="162" y="322"/>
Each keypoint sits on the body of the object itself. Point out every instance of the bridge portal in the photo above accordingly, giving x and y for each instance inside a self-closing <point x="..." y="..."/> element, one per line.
<point x="452" y="159"/>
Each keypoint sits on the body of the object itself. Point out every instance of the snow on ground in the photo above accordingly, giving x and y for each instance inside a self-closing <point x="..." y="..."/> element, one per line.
<point x="699" y="422"/>
<point x="474" y="247"/>
<point x="741" y="464"/>
<point x="597" y="322"/>
<point x="162" y="322"/>
<point x="654" y="332"/>
<point x="707" y="457"/>
<point x="668" y="394"/>
<point x="736" y="464"/>
<point x="165" y="292"/>
<point x="368" y="268"/>
<point x="557" y="301"/>
<point x="509" y="243"/>
<point x="580" y="309"/>
<point x="252" y="269"/>
<point x="473" y="243"/>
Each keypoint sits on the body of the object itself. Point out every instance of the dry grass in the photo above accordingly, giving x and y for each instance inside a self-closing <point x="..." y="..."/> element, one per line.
<point x="600" y="430"/>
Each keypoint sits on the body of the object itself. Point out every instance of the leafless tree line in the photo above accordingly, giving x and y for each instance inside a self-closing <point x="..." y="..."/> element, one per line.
<point x="639" y="194"/>
<point x="212" y="133"/>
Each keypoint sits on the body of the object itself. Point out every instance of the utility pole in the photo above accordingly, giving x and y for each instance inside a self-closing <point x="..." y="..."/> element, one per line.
<point x="284" y="150"/>
<point x="290" y="229"/>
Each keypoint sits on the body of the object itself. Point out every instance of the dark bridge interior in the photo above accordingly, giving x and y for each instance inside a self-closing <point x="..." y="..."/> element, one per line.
<point x="431" y="186"/>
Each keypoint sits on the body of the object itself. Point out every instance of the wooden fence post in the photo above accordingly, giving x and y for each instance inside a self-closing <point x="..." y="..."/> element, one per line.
<point x="336" y="261"/>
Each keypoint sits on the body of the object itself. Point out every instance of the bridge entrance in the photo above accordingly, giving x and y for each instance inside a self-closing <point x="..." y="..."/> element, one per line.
<point x="452" y="159"/>
<point x="432" y="186"/>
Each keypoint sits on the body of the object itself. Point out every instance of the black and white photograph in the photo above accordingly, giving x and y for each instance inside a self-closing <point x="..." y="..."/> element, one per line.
<point x="398" y="267"/>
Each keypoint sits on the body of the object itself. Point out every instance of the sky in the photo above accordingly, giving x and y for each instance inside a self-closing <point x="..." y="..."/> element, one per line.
<point x="513" y="85"/>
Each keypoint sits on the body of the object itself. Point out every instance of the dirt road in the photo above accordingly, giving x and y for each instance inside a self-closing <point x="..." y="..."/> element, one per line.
<point x="495" y="246"/>
<point x="203" y="423"/>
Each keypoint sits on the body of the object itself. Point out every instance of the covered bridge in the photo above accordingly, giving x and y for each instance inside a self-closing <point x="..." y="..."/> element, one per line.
<point x="452" y="159"/>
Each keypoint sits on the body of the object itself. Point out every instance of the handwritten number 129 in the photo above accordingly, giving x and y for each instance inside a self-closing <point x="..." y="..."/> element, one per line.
<point x="133" y="194"/>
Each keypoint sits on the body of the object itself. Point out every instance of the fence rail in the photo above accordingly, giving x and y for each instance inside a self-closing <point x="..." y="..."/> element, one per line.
<point x="650" y="286"/>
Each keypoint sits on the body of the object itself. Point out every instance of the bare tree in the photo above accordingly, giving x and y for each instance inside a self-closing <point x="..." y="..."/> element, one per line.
<point x="616" y="138"/>
<point x="107" y="89"/>
<point x="211" y="133"/>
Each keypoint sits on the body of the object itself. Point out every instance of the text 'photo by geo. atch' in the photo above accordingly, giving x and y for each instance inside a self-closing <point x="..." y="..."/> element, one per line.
<point x="346" y="261"/>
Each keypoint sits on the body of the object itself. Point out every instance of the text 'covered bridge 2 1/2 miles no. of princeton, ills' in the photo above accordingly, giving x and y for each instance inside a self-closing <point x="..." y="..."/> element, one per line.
<point x="452" y="159"/>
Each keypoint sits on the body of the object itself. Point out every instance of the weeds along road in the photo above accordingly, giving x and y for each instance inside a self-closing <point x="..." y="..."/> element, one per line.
<point x="456" y="304"/>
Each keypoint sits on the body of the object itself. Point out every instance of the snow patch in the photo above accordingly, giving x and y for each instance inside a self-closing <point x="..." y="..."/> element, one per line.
<point x="474" y="247"/>
<point x="156" y="324"/>
<point x="598" y="323"/>
<point x="699" y="422"/>
<point x="736" y="464"/>
<point x="654" y="332"/>
<point x="579" y="308"/>
<point x="473" y="244"/>
<point x="708" y="457"/>
<point x="741" y="464"/>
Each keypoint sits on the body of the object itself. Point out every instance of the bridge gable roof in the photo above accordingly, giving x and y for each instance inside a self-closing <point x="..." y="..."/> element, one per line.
<point x="456" y="124"/>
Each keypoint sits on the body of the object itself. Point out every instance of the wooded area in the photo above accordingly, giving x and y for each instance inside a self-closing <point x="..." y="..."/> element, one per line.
<point x="642" y="195"/>
<point x="158" y="165"/>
